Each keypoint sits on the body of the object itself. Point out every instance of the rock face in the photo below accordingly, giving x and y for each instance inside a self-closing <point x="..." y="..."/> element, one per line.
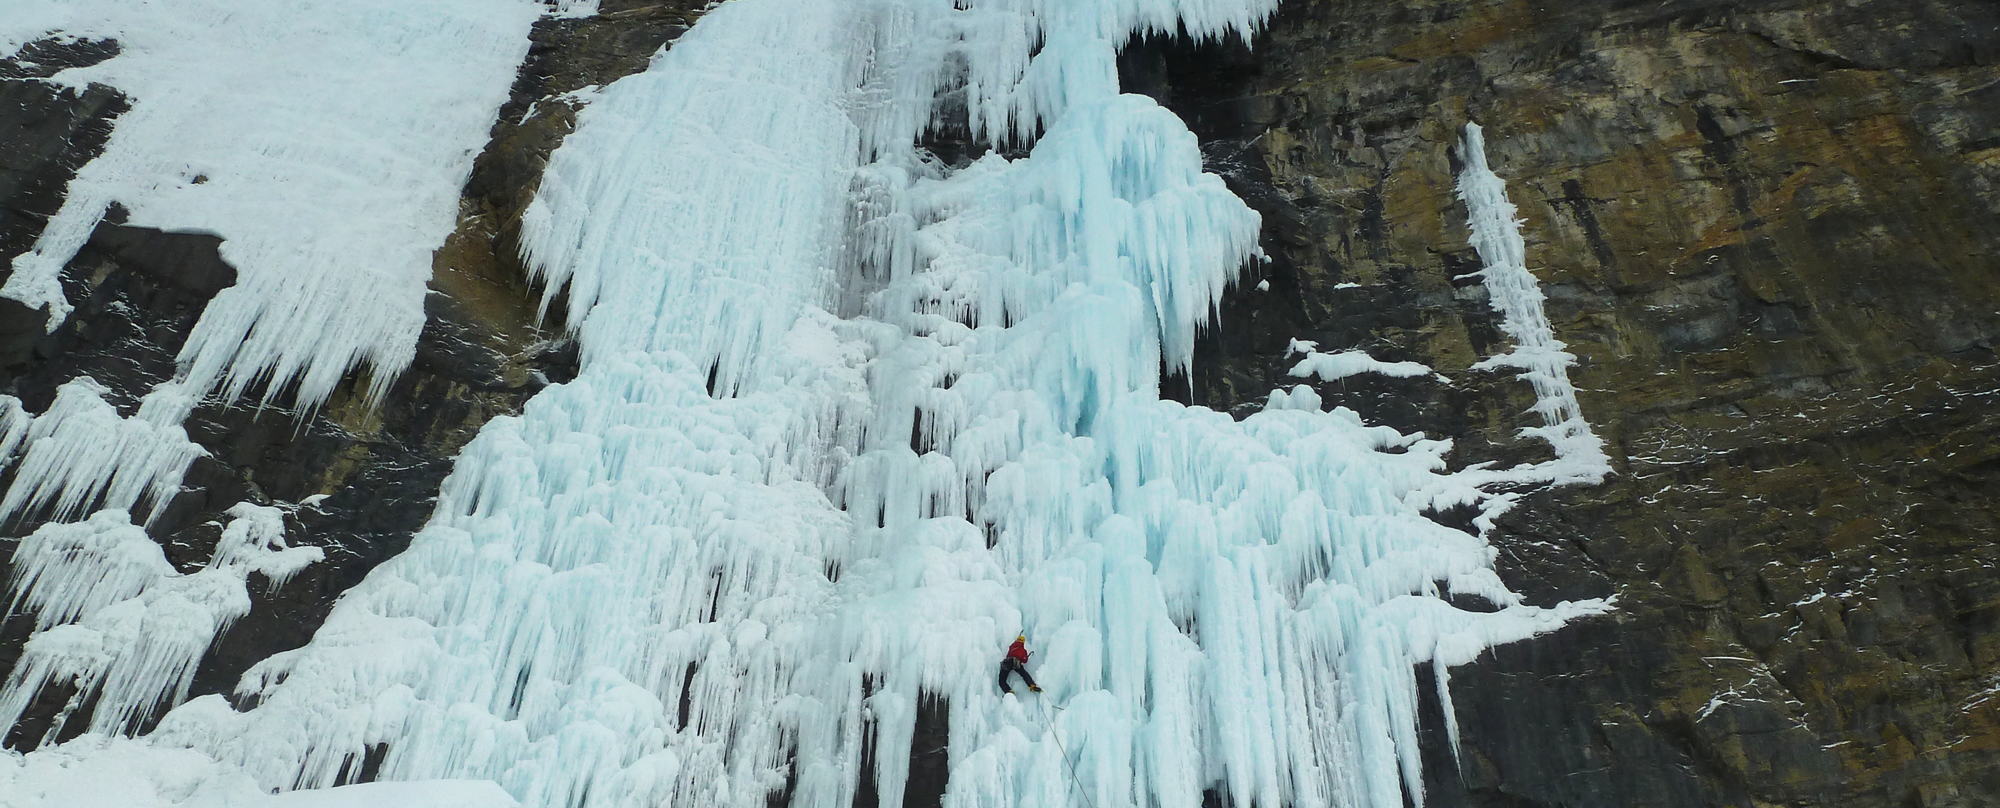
<point x="46" y="134"/>
<point x="1766" y="228"/>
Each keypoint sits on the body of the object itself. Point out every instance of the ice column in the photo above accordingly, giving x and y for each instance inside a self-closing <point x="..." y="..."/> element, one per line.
<point x="1515" y="294"/>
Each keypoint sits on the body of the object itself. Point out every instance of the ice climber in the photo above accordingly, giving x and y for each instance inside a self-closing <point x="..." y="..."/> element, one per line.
<point x="1016" y="661"/>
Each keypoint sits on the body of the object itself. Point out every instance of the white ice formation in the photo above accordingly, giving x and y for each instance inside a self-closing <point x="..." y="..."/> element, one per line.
<point x="848" y="420"/>
<point x="1337" y="366"/>
<point x="324" y="140"/>
<point x="81" y="451"/>
<point x="1515" y="294"/>
<point x="116" y="621"/>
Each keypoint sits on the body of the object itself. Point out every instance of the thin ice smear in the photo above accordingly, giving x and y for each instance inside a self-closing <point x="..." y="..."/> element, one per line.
<point x="1539" y="357"/>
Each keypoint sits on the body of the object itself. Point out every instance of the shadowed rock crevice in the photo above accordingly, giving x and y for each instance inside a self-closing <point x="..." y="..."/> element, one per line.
<point x="930" y="756"/>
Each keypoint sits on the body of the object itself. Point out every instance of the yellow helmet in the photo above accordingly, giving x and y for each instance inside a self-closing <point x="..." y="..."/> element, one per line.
<point x="1022" y="638"/>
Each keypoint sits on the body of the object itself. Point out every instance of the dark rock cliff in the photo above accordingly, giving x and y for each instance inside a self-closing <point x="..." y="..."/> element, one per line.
<point x="1767" y="231"/>
<point x="1766" y="228"/>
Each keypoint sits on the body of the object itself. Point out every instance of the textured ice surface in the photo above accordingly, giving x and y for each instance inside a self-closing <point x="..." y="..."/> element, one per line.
<point x="848" y="420"/>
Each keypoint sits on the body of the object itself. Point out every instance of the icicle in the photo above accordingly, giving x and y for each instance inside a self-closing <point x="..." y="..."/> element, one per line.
<point x="119" y="623"/>
<point x="14" y="424"/>
<point x="81" y="451"/>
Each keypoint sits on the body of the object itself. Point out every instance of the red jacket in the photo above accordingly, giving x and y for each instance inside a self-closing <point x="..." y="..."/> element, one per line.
<point x="1018" y="651"/>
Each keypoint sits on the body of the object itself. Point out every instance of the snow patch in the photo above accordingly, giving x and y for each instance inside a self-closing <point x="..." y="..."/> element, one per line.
<point x="1336" y="366"/>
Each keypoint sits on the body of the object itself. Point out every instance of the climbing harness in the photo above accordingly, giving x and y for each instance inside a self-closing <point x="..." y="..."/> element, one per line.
<point x="1046" y="706"/>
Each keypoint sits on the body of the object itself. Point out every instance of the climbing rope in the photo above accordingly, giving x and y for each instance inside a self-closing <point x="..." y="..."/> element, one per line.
<point x="1065" y="752"/>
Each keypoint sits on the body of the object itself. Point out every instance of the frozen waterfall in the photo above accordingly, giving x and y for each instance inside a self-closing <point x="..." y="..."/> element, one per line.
<point x="848" y="420"/>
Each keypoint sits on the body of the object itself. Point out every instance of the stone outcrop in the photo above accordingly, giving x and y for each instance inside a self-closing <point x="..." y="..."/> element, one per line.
<point x="1765" y="228"/>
